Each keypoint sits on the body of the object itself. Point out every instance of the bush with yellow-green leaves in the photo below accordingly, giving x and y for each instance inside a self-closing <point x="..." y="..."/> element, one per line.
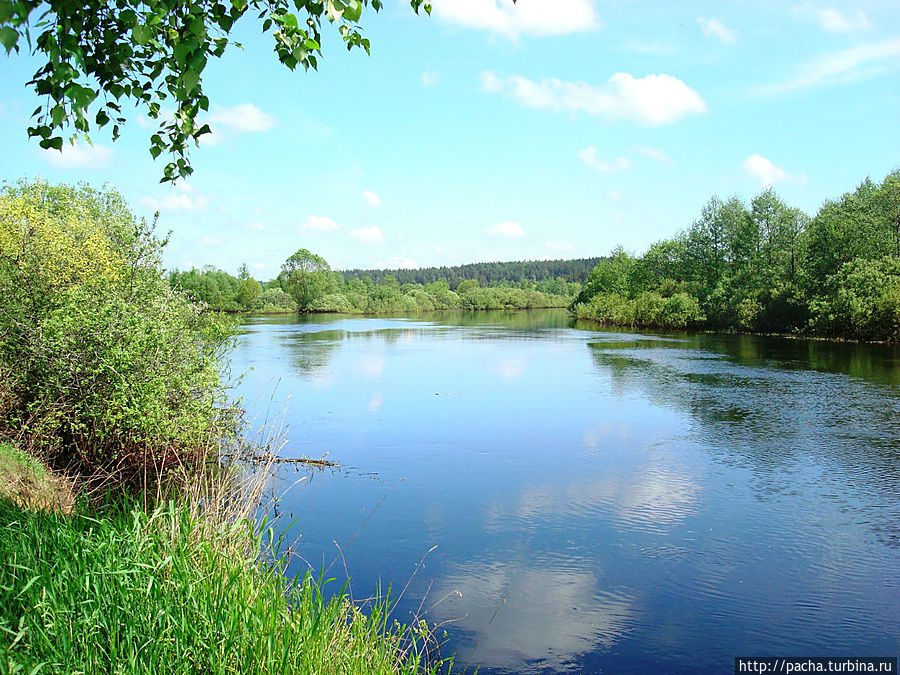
<point x="104" y="362"/>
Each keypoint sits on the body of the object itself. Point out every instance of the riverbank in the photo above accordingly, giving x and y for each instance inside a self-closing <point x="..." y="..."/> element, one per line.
<point x="118" y="586"/>
<point x="699" y="329"/>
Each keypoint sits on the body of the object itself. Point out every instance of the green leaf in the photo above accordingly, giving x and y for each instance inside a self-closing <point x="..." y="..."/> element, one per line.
<point x="54" y="143"/>
<point x="142" y="34"/>
<point x="191" y="79"/>
<point x="8" y="38"/>
<point x="334" y="10"/>
<point x="57" y="114"/>
<point x="353" y="10"/>
<point x="81" y="96"/>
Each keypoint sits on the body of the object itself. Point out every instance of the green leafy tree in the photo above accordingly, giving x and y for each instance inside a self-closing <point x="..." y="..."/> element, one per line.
<point x="740" y="237"/>
<point x="861" y="300"/>
<point x="307" y="277"/>
<point x="98" y="56"/>
<point x="862" y="224"/>
<point x="248" y="292"/>
<point x="304" y="261"/>
<point x="609" y="276"/>
<point x="705" y="247"/>
<point x="467" y="286"/>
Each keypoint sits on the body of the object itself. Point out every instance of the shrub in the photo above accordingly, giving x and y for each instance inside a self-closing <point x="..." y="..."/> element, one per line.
<point x="274" y="300"/>
<point x="110" y="364"/>
<point x="862" y="301"/>
<point x="747" y="314"/>
<point x="680" y="311"/>
<point x="332" y="303"/>
<point x="610" y="308"/>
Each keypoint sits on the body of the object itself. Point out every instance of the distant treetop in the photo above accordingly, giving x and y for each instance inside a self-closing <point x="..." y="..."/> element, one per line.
<point x="486" y="274"/>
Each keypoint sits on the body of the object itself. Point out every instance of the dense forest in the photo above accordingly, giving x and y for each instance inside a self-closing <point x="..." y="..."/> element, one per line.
<point x="486" y="274"/>
<point x="308" y="284"/>
<point x="764" y="267"/>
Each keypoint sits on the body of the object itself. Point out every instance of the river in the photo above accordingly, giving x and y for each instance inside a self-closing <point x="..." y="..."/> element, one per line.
<point x="563" y="498"/>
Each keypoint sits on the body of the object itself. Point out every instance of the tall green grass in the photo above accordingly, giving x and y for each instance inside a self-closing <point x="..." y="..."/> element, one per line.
<point x="132" y="591"/>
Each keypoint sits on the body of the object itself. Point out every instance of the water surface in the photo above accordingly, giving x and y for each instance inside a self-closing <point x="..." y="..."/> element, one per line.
<point x="599" y="501"/>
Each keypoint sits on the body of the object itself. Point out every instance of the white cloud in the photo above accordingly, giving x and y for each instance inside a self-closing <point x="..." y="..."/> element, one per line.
<point x="590" y="157"/>
<point x="764" y="171"/>
<point x="210" y="241"/>
<point x="654" y="153"/>
<point x="506" y="229"/>
<point x="404" y="263"/>
<point x="614" y="194"/>
<point x="491" y="82"/>
<point x="560" y="246"/>
<point x="527" y="17"/>
<point x="616" y="218"/>
<point x="715" y="28"/>
<point x="211" y="139"/>
<point x="319" y="224"/>
<point x="846" y="65"/>
<point x="368" y="235"/>
<point x="241" y="118"/>
<point x="182" y="197"/>
<point x="397" y="263"/>
<point x="430" y="78"/>
<point x="79" y="156"/>
<point x="652" y="100"/>
<point x="256" y="225"/>
<point x="371" y="198"/>
<point x="244" y="117"/>
<point x="836" y="21"/>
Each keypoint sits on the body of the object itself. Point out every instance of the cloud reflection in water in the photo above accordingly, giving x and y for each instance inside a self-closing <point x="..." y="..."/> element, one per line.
<point x="531" y="618"/>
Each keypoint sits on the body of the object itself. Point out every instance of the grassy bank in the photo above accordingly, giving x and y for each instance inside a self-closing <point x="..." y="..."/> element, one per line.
<point x="123" y="588"/>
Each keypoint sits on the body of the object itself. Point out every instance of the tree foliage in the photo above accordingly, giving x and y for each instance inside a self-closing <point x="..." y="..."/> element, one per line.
<point x="101" y="359"/>
<point x="98" y="56"/>
<point x="765" y="267"/>
<point x="487" y="274"/>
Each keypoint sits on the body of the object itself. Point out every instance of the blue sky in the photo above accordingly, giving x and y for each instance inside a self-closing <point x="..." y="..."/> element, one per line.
<point x="552" y="129"/>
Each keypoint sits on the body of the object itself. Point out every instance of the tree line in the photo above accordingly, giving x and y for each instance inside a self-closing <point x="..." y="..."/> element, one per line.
<point x="307" y="283"/>
<point x="486" y="274"/>
<point x="764" y="267"/>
